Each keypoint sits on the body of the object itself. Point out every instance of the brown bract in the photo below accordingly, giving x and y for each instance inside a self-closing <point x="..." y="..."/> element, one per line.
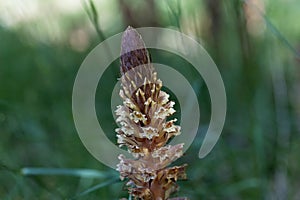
<point x="144" y="128"/>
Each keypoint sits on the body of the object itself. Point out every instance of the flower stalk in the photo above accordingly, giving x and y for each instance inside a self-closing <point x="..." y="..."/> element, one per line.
<point x="144" y="128"/>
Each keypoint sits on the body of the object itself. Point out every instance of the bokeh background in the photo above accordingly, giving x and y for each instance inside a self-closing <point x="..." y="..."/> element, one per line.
<point x="255" y="44"/>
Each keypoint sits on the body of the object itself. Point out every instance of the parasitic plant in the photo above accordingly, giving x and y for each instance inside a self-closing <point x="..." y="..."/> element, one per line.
<point x="144" y="128"/>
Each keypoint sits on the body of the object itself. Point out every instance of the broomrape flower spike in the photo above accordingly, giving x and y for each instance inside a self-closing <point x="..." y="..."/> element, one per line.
<point x="144" y="129"/>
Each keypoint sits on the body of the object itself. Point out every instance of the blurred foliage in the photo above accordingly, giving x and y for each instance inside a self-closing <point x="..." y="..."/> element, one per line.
<point x="254" y="43"/>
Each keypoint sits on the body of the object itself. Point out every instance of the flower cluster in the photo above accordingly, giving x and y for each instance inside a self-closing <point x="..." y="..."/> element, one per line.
<point x="144" y="128"/>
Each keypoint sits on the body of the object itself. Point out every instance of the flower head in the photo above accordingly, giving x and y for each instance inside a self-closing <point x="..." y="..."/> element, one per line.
<point x="144" y="128"/>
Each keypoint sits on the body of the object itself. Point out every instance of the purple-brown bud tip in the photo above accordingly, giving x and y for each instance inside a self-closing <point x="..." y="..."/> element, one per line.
<point x="133" y="50"/>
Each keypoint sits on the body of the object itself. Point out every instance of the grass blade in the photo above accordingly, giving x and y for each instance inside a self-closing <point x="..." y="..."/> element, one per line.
<point x="92" y="13"/>
<point x="274" y="30"/>
<point x="96" y="187"/>
<point x="83" y="173"/>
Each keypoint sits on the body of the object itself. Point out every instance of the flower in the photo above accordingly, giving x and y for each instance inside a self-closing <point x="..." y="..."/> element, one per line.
<point x="144" y="128"/>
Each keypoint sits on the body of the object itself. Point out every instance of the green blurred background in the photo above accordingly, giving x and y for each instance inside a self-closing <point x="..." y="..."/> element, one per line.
<point x="254" y="43"/>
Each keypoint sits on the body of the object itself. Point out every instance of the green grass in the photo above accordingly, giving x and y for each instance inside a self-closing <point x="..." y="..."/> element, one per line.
<point x="42" y="157"/>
